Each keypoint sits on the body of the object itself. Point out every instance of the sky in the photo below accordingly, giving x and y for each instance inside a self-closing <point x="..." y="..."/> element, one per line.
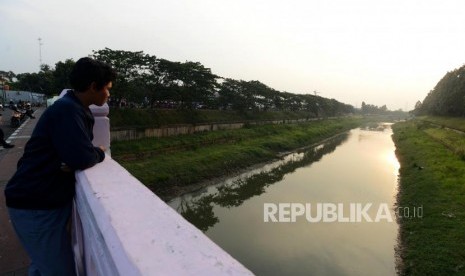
<point x="381" y="52"/>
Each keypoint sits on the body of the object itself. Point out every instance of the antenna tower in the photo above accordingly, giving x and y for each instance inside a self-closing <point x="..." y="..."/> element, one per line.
<point x="40" y="51"/>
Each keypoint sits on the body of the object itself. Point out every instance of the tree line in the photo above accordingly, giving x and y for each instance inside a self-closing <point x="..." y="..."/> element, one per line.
<point x="147" y="81"/>
<point x="447" y="98"/>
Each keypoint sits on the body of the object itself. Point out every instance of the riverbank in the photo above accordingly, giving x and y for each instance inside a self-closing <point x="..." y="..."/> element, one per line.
<point x="171" y="166"/>
<point x="432" y="175"/>
<point x="131" y="118"/>
<point x="457" y="123"/>
<point x="154" y="118"/>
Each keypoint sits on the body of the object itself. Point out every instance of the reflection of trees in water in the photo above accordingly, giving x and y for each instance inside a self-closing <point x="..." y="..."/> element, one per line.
<point x="200" y="211"/>
<point x="376" y="127"/>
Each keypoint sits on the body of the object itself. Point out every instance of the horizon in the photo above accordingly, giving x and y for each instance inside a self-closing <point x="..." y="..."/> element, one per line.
<point x="384" y="53"/>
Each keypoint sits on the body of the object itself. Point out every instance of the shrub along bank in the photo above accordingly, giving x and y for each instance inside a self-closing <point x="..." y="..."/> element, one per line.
<point x="432" y="175"/>
<point x="167" y="165"/>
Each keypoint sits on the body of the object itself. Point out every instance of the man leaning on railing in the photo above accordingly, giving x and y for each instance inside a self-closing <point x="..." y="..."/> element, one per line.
<point x="40" y="194"/>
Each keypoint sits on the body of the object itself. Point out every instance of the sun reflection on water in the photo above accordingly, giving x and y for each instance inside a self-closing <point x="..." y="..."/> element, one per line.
<point x="391" y="158"/>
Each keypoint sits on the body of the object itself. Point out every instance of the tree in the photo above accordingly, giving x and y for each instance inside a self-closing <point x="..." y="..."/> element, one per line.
<point x="232" y="95"/>
<point x="7" y="76"/>
<point x="61" y="75"/>
<point x="448" y="96"/>
<point x="144" y="79"/>
<point x="196" y="83"/>
<point x="41" y="82"/>
<point x="137" y="73"/>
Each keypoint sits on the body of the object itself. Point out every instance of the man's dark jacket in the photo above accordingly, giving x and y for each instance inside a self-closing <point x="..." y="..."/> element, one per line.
<point x="62" y="136"/>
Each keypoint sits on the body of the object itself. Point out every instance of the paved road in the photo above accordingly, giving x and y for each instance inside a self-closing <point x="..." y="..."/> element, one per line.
<point x="13" y="259"/>
<point x="5" y="122"/>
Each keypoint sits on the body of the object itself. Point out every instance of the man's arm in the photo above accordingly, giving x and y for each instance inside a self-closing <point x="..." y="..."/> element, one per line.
<point x="73" y="143"/>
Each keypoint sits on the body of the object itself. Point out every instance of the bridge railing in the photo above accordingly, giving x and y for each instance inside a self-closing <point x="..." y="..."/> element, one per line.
<point x="121" y="228"/>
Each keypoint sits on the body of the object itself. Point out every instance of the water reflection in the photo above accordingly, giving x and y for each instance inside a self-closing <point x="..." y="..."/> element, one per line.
<point x="199" y="211"/>
<point x="356" y="168"/>
<point x="377" y="127"/>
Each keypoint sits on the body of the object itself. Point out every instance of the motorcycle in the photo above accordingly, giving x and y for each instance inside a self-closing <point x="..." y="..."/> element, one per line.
<point x="19" y="114"/>
<point x="16" y="118"/>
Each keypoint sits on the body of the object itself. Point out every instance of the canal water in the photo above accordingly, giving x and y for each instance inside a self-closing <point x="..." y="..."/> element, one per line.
<point x="325" y="210"/>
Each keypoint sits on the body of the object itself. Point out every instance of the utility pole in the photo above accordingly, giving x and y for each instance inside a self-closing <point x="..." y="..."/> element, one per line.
<point x="40" y="51"/>
<point x="316" y="92"/>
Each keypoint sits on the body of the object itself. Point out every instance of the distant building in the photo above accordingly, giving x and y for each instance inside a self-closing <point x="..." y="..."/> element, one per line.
<point x="24" y="96"/>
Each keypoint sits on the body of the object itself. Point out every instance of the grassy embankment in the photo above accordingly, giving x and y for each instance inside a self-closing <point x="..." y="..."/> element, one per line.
<point x="450" y="122"/>
<point x="167" y="165"/>
<point x="433" y="176"/>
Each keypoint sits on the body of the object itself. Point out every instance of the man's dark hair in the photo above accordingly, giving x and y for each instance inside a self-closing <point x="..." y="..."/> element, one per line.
<point x="87" y="70"/>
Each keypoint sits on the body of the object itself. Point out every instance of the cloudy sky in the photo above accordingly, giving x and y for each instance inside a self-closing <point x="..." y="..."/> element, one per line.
<point x="381" y="52"/>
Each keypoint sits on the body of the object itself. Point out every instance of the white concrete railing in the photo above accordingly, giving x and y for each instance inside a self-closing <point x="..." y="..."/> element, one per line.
<point x="121" y="228"/>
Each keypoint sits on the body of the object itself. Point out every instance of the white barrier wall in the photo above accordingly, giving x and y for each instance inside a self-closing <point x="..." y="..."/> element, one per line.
<point x="134" y="134"/>
<point x="101" y="126"/>
<point x="128" y="230"/>
<point x="121" y="228"/>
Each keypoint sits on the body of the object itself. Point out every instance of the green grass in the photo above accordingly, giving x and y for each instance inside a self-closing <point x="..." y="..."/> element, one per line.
<point x="166" y="165"/>
<point x="433" y="176"/>
<point x="450" y="122"/>
<point x="453" y="140"/>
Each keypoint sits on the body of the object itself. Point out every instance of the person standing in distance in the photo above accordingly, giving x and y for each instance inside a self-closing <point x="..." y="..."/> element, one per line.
<point x="39" y="196"/>
<point x="2" y="137"/>
<point x="3" y="142"/>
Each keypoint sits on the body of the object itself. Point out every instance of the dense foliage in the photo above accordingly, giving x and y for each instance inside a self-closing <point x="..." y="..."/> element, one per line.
<point x="47" y="81"/>
<point x="156" y="82"/>
<point x="447" y="98"/>
<point x="147" y="81"/>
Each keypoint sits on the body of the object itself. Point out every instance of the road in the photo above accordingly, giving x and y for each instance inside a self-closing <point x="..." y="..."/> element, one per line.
<point x="13" y="258"/>
<point x="5" y="122"/>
